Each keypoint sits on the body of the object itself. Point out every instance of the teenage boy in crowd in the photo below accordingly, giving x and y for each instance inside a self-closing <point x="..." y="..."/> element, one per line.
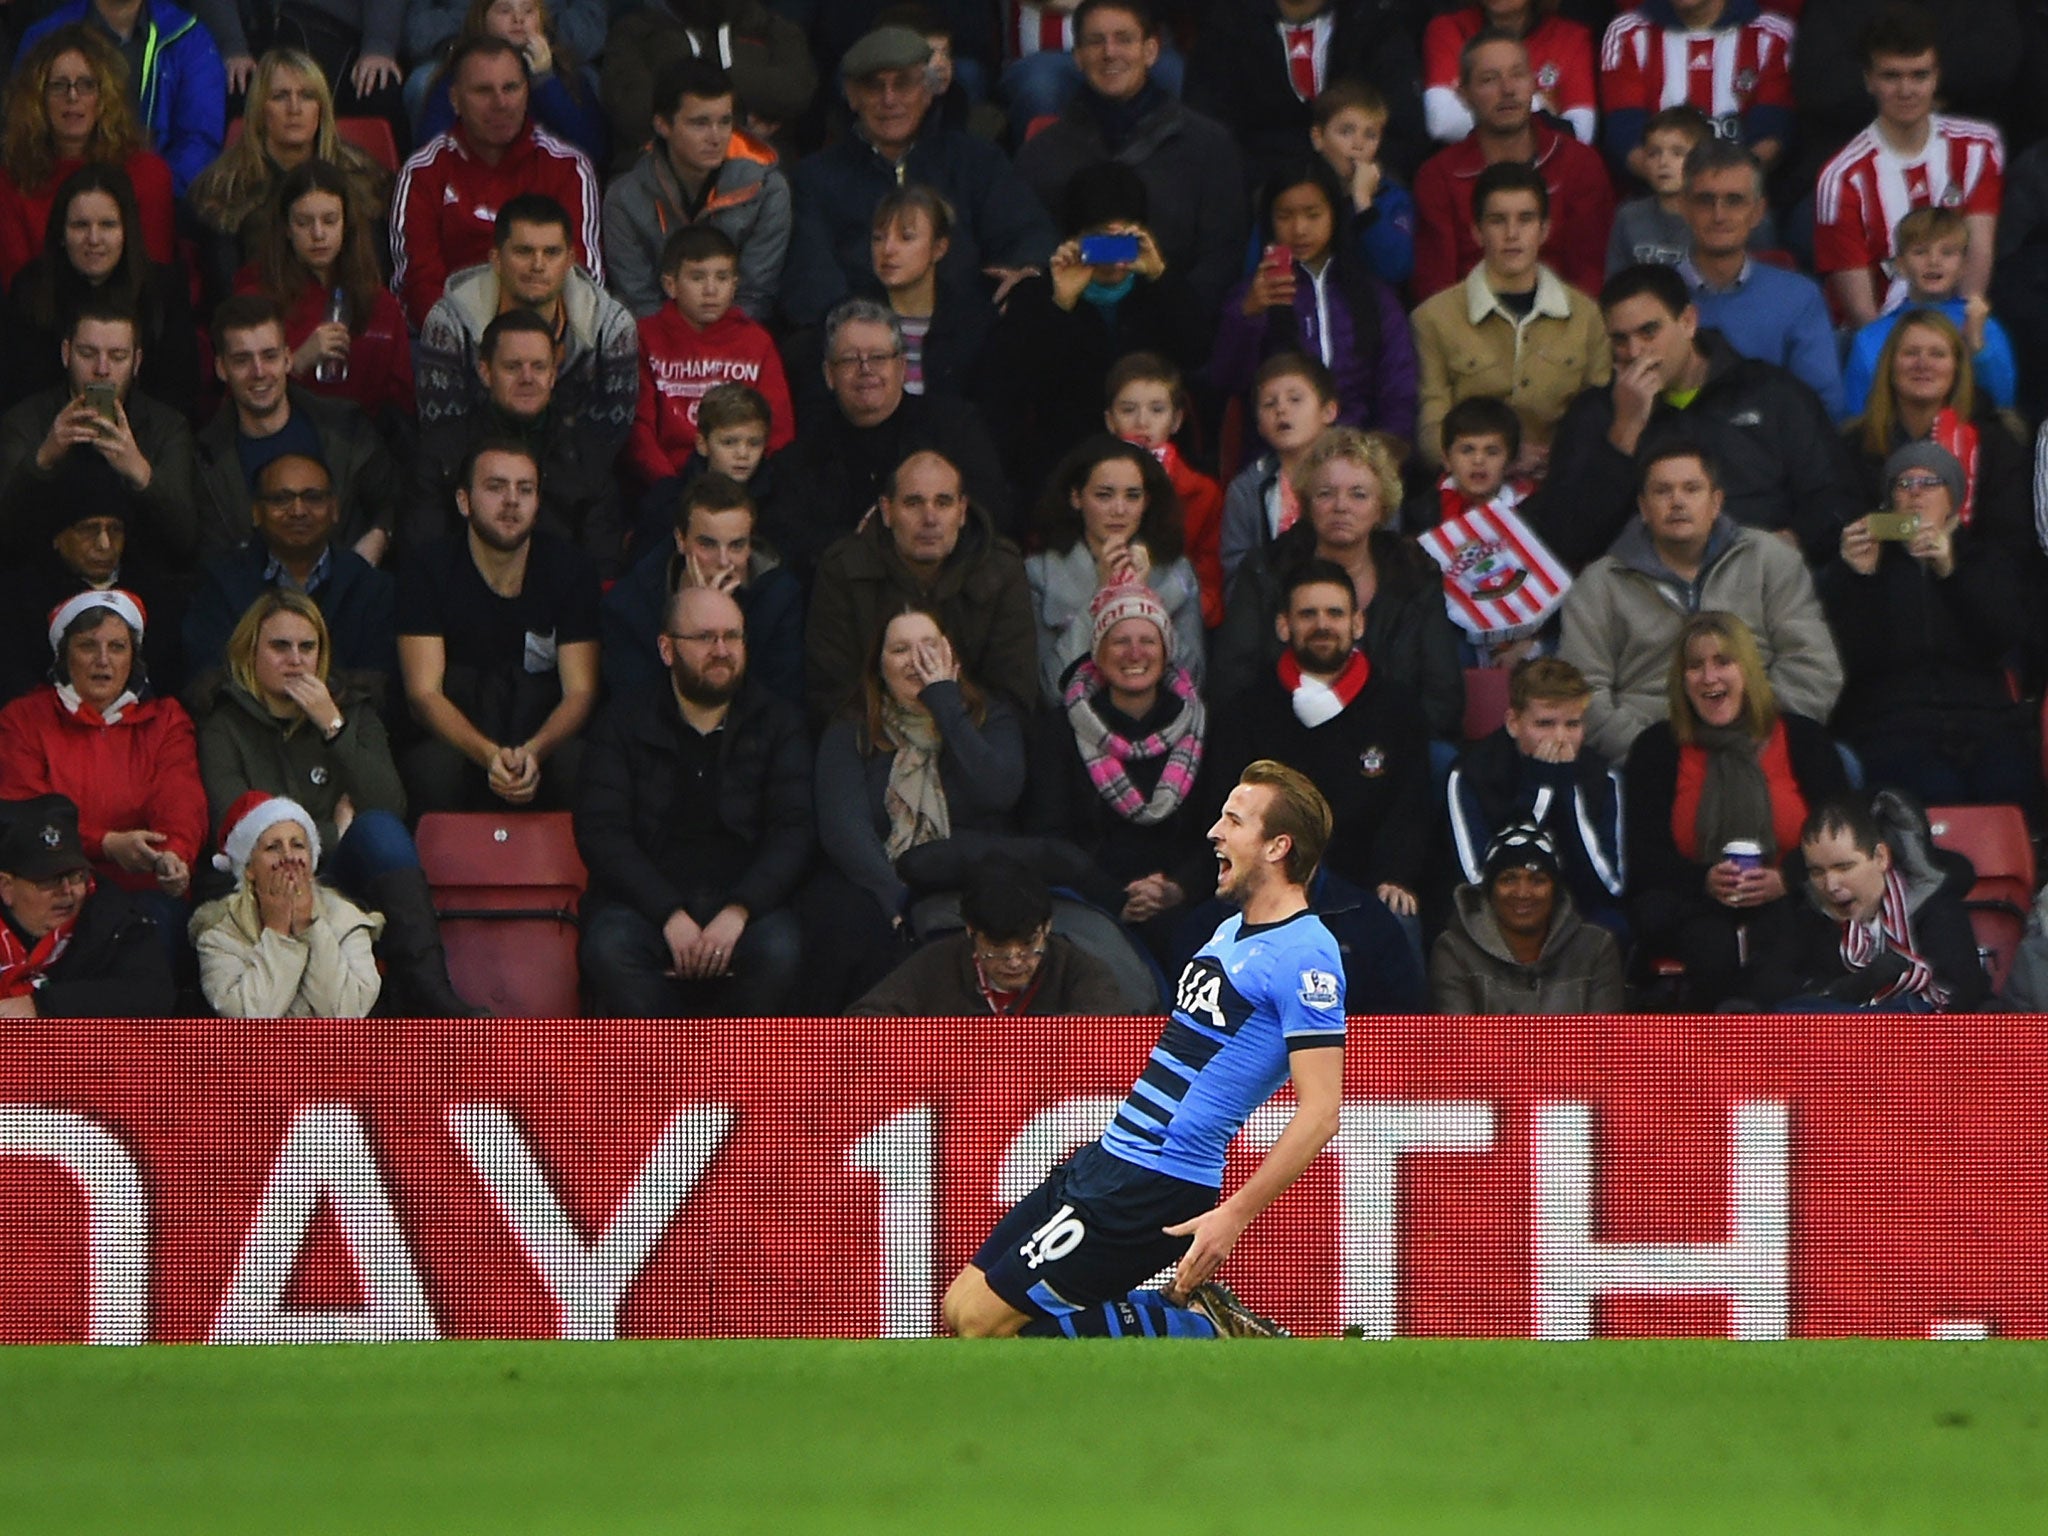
<point x="699" y="170"/>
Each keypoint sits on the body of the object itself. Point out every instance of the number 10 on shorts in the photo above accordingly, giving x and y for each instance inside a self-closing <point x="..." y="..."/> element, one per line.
<point x="1060" y="1236"/>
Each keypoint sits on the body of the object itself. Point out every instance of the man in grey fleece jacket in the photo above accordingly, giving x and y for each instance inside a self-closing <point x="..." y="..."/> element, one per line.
<point x="697" y="169"/>
<point x="597" y="371"/>
<point x="1685" y="556"/>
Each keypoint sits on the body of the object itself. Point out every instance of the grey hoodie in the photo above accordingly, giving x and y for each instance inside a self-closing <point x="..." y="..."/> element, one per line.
<point x="1471" y="969"/>
<point x="1624" y="612"/>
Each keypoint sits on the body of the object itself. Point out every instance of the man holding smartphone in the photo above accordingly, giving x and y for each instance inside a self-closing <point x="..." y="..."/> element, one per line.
<point x="1926" y="609"/>
<point x="96" y="441"/>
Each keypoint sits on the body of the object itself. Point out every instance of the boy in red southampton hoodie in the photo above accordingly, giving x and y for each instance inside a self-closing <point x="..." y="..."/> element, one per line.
<point x="696" y="341"/>
<point x="1147" y="404"/>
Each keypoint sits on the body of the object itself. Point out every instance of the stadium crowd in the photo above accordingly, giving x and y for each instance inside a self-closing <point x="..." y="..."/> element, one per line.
<point x="887" y="468"/>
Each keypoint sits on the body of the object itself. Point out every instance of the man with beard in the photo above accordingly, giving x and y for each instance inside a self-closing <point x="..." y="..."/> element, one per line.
<point x="1359" y="736"/>
<point x="694" y="820"/>
<point x="498" y="648"/>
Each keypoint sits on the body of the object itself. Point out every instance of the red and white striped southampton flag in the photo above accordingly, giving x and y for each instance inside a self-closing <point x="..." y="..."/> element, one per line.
<point x="1497" y="574"/>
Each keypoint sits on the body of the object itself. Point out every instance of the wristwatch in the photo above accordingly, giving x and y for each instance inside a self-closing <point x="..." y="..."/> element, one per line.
<point x="333" y="728"/>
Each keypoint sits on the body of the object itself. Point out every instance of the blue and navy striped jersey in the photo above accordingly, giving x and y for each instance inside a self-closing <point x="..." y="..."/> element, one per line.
<point x="1249" y="996"/>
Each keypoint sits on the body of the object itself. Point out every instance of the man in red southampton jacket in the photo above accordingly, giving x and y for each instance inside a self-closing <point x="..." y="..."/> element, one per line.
<point x="1497" y="84"/>
<point x="448" y="194"/>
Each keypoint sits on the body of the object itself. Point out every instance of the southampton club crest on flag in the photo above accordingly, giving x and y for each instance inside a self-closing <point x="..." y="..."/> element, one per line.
<point x="1499" y="579"/>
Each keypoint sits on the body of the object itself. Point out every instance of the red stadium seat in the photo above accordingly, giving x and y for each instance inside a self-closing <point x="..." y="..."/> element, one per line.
<point x="372" y="135"/>
<point x="1486" y="700"/>
<point x="1994" y="838"/>
<point x="507" y="890"/>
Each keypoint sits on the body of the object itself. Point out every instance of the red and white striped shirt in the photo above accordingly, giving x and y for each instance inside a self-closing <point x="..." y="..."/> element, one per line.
<point x="1646" y="66"/>
<point x="1867" y="188"/>
<point x="1030" y="29"/>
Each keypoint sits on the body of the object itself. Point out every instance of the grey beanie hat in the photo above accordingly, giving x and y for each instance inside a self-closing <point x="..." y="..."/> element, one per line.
<point x="1936" y="460"/>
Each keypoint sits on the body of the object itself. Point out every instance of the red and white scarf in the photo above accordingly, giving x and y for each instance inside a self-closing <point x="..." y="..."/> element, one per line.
<point x="1861" y="946"/>
<point x="22" y="963"/>
<point x="1960" y="438"/>
<point x="1316" y="701"/>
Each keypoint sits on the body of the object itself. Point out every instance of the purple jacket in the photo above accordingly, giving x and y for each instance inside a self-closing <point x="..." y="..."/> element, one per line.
<point x="1374" y="393"/>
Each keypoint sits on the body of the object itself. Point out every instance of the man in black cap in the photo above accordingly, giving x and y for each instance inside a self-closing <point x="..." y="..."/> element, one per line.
<point x="70" y="948"/>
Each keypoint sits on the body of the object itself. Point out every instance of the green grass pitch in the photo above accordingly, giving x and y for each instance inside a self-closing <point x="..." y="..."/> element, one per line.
<point x="1170" y="1439"/>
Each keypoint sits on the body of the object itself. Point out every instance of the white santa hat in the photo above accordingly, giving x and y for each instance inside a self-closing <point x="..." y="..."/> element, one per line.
<point x="126" y="604"/>
<point x="249" y="818"/>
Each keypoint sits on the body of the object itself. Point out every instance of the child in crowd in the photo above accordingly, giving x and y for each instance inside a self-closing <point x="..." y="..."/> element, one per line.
<point x="1934" y="244"/>
<point x="1501" y="585"/>
<point x="1295" y="399"/>
<point x="1348" y="122"/>
<point x="1653" y="229"/>
<point x="1480" y="438"/>
<point x="734" y="422"/>
<point x="1147" y="404"/>
<point x="945" y="324"/>
<point x="1312" y="292"/>
<point x="696" y="340"/>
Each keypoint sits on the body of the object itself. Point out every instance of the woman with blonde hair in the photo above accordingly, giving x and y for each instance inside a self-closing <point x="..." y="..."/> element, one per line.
<point x="288" y="121"/>
<point x="1716" y="796"/>
<point x="1926" y="391"/>
<point x="274" y="725"/>
<point x="67" y="106"/>
<point x="1348" y="485"/>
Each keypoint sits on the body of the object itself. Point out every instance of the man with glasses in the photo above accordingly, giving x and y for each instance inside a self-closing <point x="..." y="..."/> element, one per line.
<point x="70" y="948"/>
<point x="1765" y="312"/>
<point x="96" y="441"/>
<point x="1008" y="961"/>
<point x="295" y="514"/>
<point x="694" y="820"/>
<point x="266" y="415"/>
<point x="852" y="440"/>
<point x="498" y="648"/>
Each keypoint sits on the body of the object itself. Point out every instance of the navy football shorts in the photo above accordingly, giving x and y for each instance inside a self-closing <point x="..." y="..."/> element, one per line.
<point x="1091" y="1232"/>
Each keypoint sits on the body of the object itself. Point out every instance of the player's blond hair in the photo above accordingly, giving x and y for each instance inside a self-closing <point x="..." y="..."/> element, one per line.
<point x="1296" y="811"/>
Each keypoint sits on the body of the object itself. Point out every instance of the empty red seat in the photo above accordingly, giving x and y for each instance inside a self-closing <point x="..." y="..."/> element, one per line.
<point x="507" y="888"/>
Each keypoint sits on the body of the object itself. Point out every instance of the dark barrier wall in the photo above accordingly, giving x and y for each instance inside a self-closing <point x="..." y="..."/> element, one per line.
<point x="301" y="1180"/>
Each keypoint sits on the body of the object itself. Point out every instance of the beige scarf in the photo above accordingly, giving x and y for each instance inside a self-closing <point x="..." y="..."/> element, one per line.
<point x="915" y="798"/>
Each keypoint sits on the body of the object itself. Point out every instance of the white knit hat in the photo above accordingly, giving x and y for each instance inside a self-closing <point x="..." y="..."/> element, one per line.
<point x="249" y="818"/>
<point x="1129" y="600"/>
<point x="126" y="604"/>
